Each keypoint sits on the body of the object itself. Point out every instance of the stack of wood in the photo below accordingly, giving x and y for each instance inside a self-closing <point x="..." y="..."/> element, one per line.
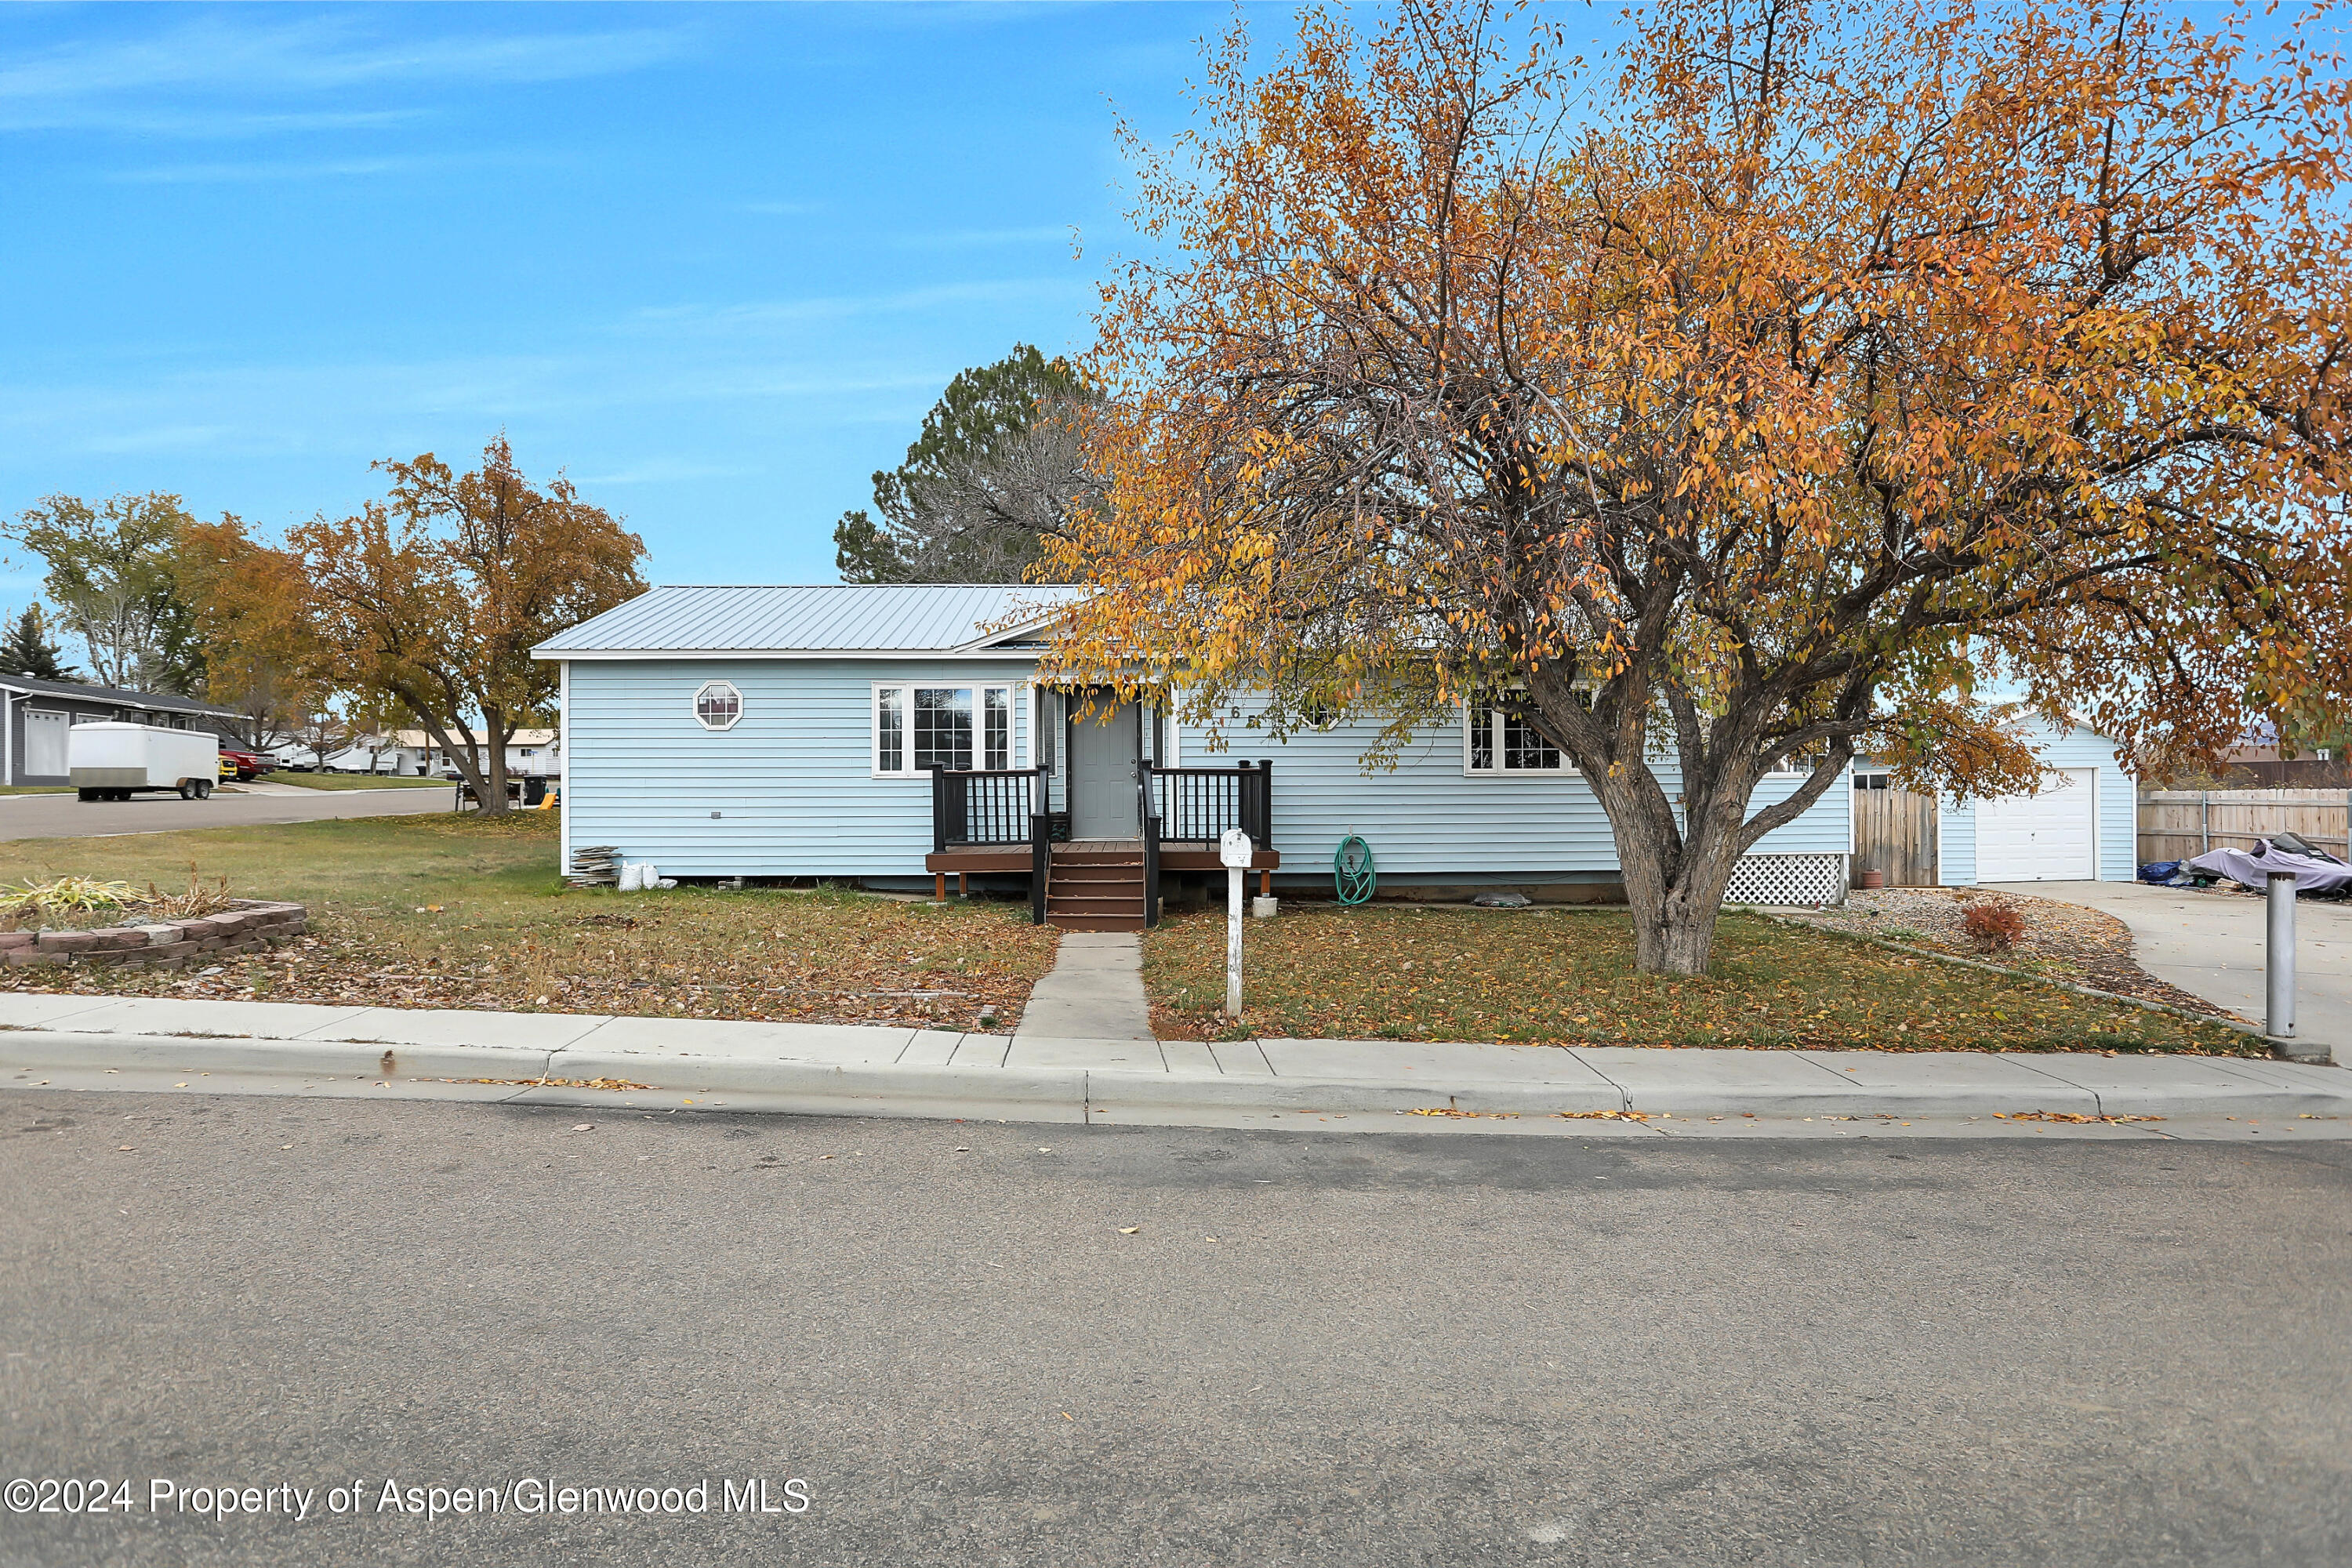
<point x="595" y="866"/>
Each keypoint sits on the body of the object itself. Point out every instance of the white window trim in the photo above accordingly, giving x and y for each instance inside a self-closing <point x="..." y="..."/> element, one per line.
<point x="1016" y="741"/>
<point x="693" y="706"/>
<point x="1566" y="769"/>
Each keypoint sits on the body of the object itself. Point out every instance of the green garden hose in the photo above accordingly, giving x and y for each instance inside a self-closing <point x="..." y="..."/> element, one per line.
<point x="1352" y="870"/>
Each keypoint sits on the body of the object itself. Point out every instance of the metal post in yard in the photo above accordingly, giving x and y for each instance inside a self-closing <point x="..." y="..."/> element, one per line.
<point x="2205" y="821"/>
<point x="2278" y="961"/>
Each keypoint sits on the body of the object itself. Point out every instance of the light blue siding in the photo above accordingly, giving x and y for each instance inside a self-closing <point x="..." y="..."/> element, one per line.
<point x="793" y="787"/>
<point x="2118" y="810"/>
<point x="792" y="782"/>
<point x="1428" y="818"/>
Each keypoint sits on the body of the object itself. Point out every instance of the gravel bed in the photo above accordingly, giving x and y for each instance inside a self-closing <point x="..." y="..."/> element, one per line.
<point x="2062" y="940"/>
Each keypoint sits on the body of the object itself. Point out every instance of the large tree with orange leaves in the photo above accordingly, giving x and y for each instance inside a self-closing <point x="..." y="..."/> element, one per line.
<point x="430" y="601"/>
<point x="1783" y="388"/>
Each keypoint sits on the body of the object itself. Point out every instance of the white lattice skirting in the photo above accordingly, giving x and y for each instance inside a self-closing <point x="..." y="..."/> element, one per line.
<point x="1788" y="880"/>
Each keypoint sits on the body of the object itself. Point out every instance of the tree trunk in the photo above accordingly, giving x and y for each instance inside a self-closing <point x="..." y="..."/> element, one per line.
<point x="1673" y="882"/>
<point x="499" y="735"/>
<point x="492" y="767"/>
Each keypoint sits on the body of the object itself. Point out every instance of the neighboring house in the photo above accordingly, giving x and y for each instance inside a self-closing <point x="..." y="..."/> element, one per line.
<point x="893" y="734"/>
<point x="532" y="753"/>
<point x="39" y="712"/>
<point x="2078" y="827"/>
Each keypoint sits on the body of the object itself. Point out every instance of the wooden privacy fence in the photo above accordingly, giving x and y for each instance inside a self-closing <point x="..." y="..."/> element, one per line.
<point x="1895" y="832"/>
<point x="2180" y="824"/>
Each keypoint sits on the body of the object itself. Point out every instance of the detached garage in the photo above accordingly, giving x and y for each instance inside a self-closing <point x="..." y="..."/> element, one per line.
<point x="2078" y="828"/>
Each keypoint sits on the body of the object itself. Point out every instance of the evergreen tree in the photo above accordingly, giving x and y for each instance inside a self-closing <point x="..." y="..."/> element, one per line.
<point x="27" y="649"/>
<point x="998" y="469"/>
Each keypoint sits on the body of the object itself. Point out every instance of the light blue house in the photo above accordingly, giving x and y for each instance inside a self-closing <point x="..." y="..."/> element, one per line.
<point x="896" y="734"/>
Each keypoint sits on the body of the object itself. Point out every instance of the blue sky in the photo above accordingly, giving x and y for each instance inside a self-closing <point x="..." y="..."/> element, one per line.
<point x="715" y="262"/>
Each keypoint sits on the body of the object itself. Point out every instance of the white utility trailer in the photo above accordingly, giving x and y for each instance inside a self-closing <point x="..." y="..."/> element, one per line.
<point x="110" y="762"/>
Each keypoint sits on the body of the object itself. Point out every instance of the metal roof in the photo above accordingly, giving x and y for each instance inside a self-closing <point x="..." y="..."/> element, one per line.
<point x="112" y="696"/>
<point x="835" y="617"/>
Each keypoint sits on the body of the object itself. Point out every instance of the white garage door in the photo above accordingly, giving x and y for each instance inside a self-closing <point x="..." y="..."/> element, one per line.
<point x="2047" y="837"/>
<point x="45" y="744"/>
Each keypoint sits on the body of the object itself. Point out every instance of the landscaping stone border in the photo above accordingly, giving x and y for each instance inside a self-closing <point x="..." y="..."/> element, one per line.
<point x="245" y="924"/>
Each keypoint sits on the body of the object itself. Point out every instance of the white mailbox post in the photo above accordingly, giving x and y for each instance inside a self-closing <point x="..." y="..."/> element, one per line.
<point x="1233" y="850"/>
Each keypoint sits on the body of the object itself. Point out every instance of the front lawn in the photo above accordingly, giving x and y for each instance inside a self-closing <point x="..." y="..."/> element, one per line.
<point x="449" y="911"/>
<point x="1566" y="977"/>
<point x="356" y="781"/>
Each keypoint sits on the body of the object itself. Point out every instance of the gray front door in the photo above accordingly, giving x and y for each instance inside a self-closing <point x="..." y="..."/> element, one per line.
<point x="1102" y="774"/>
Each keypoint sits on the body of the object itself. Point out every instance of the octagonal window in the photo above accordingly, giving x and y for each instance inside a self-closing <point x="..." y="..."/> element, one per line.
<point x="718" y="705"/>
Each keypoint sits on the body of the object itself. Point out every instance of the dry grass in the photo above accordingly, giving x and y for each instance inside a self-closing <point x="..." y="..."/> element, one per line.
<point x="354" y="781"/>
<point x="459" y="911"/>
<point x="1566" y="977"/>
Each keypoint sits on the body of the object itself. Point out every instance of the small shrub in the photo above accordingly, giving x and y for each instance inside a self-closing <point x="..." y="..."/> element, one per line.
<point x="81" y="900"/>
<point x="197" y="900"/>
<point x="37" y="901"/>
<point x="1993" y="927"/>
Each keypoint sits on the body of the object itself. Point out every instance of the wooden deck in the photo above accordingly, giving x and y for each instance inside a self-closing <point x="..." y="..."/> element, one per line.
<point x="976" y="858"/>
<point x="971" y="860"/>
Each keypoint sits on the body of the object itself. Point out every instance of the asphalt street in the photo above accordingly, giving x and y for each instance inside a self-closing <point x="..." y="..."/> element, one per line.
<point x="69" y="816"/>
<point x="983" y="1344"/>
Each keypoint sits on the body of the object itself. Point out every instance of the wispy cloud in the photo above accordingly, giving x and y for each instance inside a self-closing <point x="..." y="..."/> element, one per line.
<point x="838" y="307"/>
<point x="263" y="169"/>
<point x="964" y="238"/>
<point x="160" y="438"/>
<point x="669" y="471"/>
<point x="148" y="83"/>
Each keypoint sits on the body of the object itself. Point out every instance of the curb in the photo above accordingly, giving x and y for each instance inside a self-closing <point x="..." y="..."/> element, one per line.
<point x="1080" y="1094"/>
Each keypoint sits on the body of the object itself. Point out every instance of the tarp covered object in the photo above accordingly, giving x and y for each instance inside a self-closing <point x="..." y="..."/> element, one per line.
<point x="2312" y="874"/>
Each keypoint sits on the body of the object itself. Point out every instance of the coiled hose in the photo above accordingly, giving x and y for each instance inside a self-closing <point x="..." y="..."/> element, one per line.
<point x="1352" y="873"/>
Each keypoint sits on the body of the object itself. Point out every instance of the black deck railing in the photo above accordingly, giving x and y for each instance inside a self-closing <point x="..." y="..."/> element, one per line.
<point x="1007" y="808"/>
<point x="1198" y="805"/>
<point x="990" y="806"/>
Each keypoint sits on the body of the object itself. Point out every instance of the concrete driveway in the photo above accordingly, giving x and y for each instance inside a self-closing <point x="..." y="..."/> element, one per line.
<point x="68" y="816"/>
<point x="2211" y="944"/>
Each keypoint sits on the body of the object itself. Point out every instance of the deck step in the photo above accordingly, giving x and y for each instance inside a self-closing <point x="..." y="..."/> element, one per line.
<point x="1094" y="923"/>
<point x="1083" y="906"/>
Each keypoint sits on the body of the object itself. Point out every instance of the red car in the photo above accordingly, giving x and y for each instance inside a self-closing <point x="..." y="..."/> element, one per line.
<point x="244" y="765"/>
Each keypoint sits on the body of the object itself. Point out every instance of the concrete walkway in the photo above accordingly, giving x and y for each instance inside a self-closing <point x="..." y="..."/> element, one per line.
<point x="1093" y="992"/>
<point x="2211" y="945"/>
<point x="64" y="1041"/>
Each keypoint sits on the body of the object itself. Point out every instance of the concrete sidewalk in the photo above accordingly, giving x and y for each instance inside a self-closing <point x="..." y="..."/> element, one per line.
<point x="87" y="1041"/>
